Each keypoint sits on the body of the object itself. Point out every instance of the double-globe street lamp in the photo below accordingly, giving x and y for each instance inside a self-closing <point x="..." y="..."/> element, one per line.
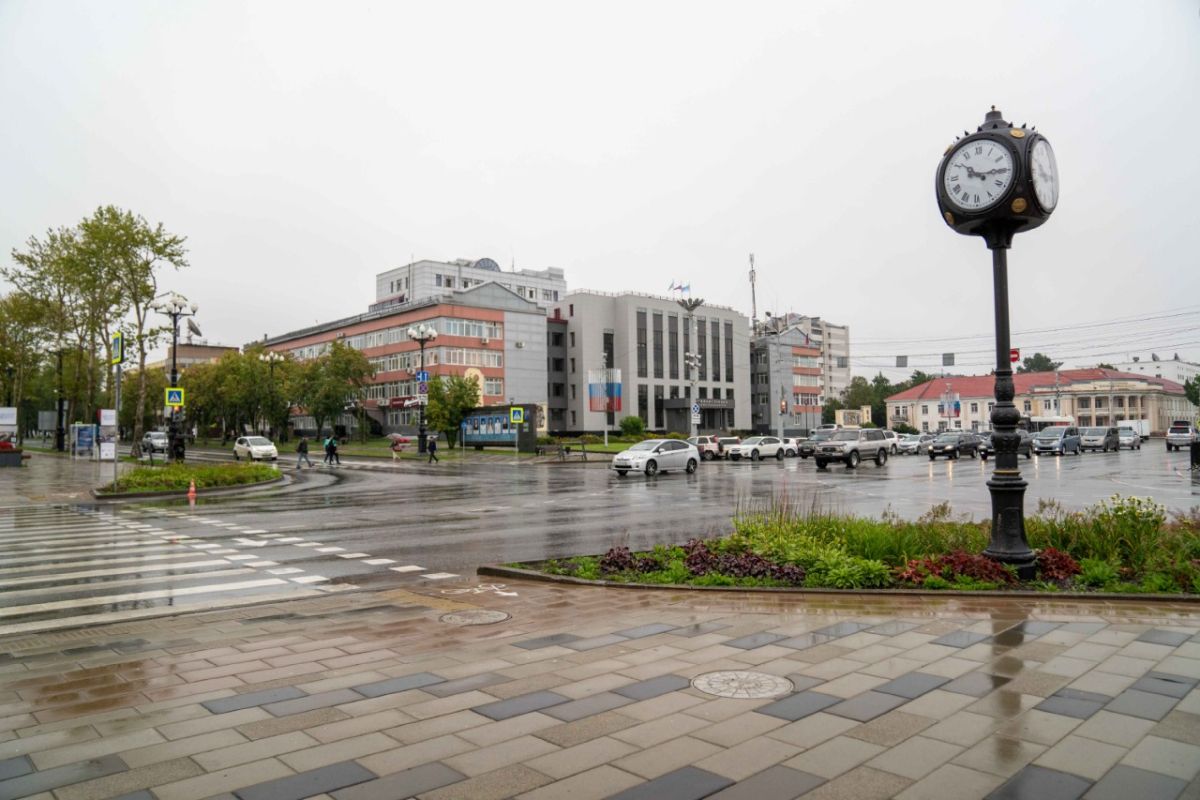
<point x="270" y="358"/>
<point x="995" y="183"/>
<point x="422" y="334"/>
<point x="175" y="306"/>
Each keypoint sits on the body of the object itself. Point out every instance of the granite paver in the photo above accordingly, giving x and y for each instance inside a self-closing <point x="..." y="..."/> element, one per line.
<point x="588" y="691"/>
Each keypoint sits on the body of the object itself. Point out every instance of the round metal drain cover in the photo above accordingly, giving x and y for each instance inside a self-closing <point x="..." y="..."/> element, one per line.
<point x="479" y="616"/>
<point x="742" y="684"/>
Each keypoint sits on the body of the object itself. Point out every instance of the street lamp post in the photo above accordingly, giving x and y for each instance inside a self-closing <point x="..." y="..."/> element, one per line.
<point x="175" y="307"/>
<point x="995" y="183"/>
<point x="422" y="334"/>
<point x="692" y="360"/>
<point x="270" y="358"/>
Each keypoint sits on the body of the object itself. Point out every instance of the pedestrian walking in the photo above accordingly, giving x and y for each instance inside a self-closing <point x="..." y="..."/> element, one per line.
<point x="397" y="449"/>
<point x="328" y="442"/>
<point x="302" y="452"/>
<point x="333" y="453"/>
<point x="432" y="447"/>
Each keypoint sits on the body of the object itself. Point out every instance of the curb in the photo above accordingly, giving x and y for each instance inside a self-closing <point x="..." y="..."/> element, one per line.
<point x="281" y="478"/>
<point x="496" y="570"/>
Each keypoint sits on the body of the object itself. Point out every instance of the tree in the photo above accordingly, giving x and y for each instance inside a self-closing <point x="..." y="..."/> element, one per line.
<point x="1191" y="390"/>
<point x="133" y="253"/>
<point x="1038" y="362"/>
<point x="450" y="398"/>
<point x="1104" y="365"/>
<point x="333" y="383"/>
<point x="829" y="411"/>
<point x="21" y="334"/>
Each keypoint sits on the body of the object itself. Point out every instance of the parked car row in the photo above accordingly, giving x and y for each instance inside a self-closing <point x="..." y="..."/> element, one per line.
<point x="851" y="446"/>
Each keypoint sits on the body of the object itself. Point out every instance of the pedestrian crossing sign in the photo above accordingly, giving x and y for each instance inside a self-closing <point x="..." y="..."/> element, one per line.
<point x="516" y="416"/>
<point x="174" y="397"/>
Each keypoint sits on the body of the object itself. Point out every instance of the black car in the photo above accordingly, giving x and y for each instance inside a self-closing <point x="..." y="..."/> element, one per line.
<point x="953" y="445"/>
<point x="1024" y="445"/>
<point x="809" y="446"/>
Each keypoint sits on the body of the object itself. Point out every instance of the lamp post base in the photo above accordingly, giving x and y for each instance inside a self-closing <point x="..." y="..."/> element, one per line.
<point x="1008" y="544"/>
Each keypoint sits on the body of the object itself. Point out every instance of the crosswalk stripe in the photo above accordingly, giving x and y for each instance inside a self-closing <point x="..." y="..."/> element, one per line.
<point x="129" y="597"/>
<point x="139" y="581"/>
<point x="102" y="573"/>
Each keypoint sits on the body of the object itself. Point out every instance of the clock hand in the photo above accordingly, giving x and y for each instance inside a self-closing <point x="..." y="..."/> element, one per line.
<point x="995" y="171"/>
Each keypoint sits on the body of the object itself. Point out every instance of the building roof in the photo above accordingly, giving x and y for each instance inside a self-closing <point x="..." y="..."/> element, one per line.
<point x="1024" y="383"/>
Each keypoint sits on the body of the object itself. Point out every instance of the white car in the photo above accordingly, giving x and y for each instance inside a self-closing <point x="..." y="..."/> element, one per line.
<point x="1128" y="437"/>
<point x="893" y="439"/>
<point x="791" y="447"/>
<point x="254" y="448"/>
<point x="758" y="447"/>
<point x="657" y="455"/>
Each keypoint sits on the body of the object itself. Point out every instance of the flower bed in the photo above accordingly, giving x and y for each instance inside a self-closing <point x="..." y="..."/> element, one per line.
<point x="178" y="477"/>
<point x="1123" y="545"/>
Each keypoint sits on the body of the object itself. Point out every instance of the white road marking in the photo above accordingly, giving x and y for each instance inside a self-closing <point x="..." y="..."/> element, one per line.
<point x="439" y="576"/>
<point x="353" y="555"/>
<point x="330" y="549"/>
<point x="289" y="539"/>
<point x="309" y="579"/>
<point x="409" y="568"/>
<point x="158" y="594"/>
<point x="285" y="571"/>
<point x="263" y="563"/>
<point x="375" y="562"/>
<point x="100" y="573"/>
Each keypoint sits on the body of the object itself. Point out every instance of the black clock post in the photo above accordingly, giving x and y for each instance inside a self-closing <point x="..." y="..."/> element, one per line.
<point x="995" y="183"/>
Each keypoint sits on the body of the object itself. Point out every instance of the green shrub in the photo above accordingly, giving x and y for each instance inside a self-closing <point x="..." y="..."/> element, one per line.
<point x="1097" y="572"/>
<point x="838" y="570"/>
<point x="633" y="426"/>
<point x="178" y="477"/>
<point x="676" y="435"/>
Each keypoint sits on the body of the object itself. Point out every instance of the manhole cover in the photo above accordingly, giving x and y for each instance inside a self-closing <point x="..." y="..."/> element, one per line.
<point x="475" y="617"/>
<point x="742" y="684"/>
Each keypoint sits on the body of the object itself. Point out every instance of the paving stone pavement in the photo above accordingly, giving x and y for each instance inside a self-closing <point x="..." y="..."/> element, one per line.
<point x="586" y="693"/>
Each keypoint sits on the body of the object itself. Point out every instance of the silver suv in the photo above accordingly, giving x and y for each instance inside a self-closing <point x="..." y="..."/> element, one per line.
<point x="852" y="446"/>
<point x="1181" y="434"/>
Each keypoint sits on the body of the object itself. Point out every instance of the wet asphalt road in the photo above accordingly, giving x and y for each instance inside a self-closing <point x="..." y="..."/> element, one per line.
<point x="454" y="517"/>
<point x="373" y="525"/>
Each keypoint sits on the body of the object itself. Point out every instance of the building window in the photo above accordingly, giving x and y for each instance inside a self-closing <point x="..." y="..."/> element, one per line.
<point x="1028" y="406"/>
<point x="571" y="311"/>
<point x="673" y="346"/>
<point x="493" y="387"/>
<point x="572" y="391"/>
<point x="657" y="333"/>
<point x="641" y="346"/>
<point x="925" y="413"/>
<point x="572" y="338"/>
<point x="644" y="403"/>
<point x="729" y="352"/>
<point x="687" y="348"/>
<point x="974" y="408"/>
<point x="715" y="328"/>
<point x="701" y="348"/>
<point x="558" y="365"/>
<point x="556" y="340"/>
<point x="659" y="420"/>
<point x="572" y="419"/>
<point x="572" y="366"/>
<point x="556" y="389"/>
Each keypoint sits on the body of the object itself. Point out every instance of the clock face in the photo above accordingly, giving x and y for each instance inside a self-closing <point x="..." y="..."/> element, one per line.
<point x="1045" y="174"/>
<point x="978" y="174"/>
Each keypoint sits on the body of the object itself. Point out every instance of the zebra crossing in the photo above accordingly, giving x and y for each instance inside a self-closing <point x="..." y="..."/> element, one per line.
<point x="64" y="567"/>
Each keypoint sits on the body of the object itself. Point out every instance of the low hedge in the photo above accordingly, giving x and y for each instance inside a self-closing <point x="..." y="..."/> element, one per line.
<point x="178" y="477"/>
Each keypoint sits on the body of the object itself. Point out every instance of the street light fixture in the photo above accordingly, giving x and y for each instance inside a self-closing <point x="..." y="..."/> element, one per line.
<point x="422" y="334"/>
<point x="175" y="306"/>
<point x="271" y="358"/>
<point x="692" y="360"/>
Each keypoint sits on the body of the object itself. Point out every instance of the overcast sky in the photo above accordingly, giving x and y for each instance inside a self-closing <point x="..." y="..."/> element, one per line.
<point x="302" y="148"/>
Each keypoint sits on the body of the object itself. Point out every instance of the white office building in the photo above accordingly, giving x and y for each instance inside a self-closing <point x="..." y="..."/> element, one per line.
<point x="834" y="342"/>
<point x="1173" y="369"/>
<point x="426" y="279"/>
<point x="646" y="338"/>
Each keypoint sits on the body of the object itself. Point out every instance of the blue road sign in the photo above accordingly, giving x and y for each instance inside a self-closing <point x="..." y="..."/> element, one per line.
<point x="423" y="376"/>
<point x="695" y="408"/>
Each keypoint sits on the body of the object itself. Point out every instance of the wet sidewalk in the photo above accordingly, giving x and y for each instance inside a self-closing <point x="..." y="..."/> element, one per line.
<point x="594" y="692"/>
<point x="49" y="477"/>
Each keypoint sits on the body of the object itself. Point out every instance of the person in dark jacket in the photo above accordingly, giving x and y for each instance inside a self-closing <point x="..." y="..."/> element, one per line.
<point x="302" y="452"/>
<point x="432" y="450"/>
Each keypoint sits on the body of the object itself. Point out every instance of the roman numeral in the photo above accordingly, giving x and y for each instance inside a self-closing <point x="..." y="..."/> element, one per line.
<point x="953" y="178"/>
<point x="979" y="151"/>
<point x="999" y="183"/>
<point x="957" y="189"/>
<point x="976" y="198"/>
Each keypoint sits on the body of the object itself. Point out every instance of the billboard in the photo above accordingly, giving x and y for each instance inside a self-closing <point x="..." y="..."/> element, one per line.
<point x="604" y="390"/>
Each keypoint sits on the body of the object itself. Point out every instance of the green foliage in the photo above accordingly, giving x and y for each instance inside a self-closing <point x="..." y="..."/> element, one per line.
<point x="177" y="477"/>
<point x="450" y="398"/>
<point x="1120" y="530"/>
<point x="900" y="427"/>
<point x="1038" y="362"/>
<point x="676" y="435"/>
<point x="1191" y="389"/>
<point x="837" y="569"/>
<point x="1098" y="573"/>
<point x="633" y="427"/>
<point x="590" y="438"/>
<point x="332" y="383"/>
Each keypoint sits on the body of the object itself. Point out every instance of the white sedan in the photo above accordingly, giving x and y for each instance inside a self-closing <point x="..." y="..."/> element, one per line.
<point x="657" y="455"/>
<point x="254" y="448"/>
<point x="757" y="447"/>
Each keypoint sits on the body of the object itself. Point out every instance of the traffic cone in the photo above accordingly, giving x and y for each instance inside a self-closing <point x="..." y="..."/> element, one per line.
<point x="192" y="490"/>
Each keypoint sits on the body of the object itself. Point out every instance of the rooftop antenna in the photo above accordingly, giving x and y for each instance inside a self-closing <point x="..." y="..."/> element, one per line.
<point x="753" y="299"/>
